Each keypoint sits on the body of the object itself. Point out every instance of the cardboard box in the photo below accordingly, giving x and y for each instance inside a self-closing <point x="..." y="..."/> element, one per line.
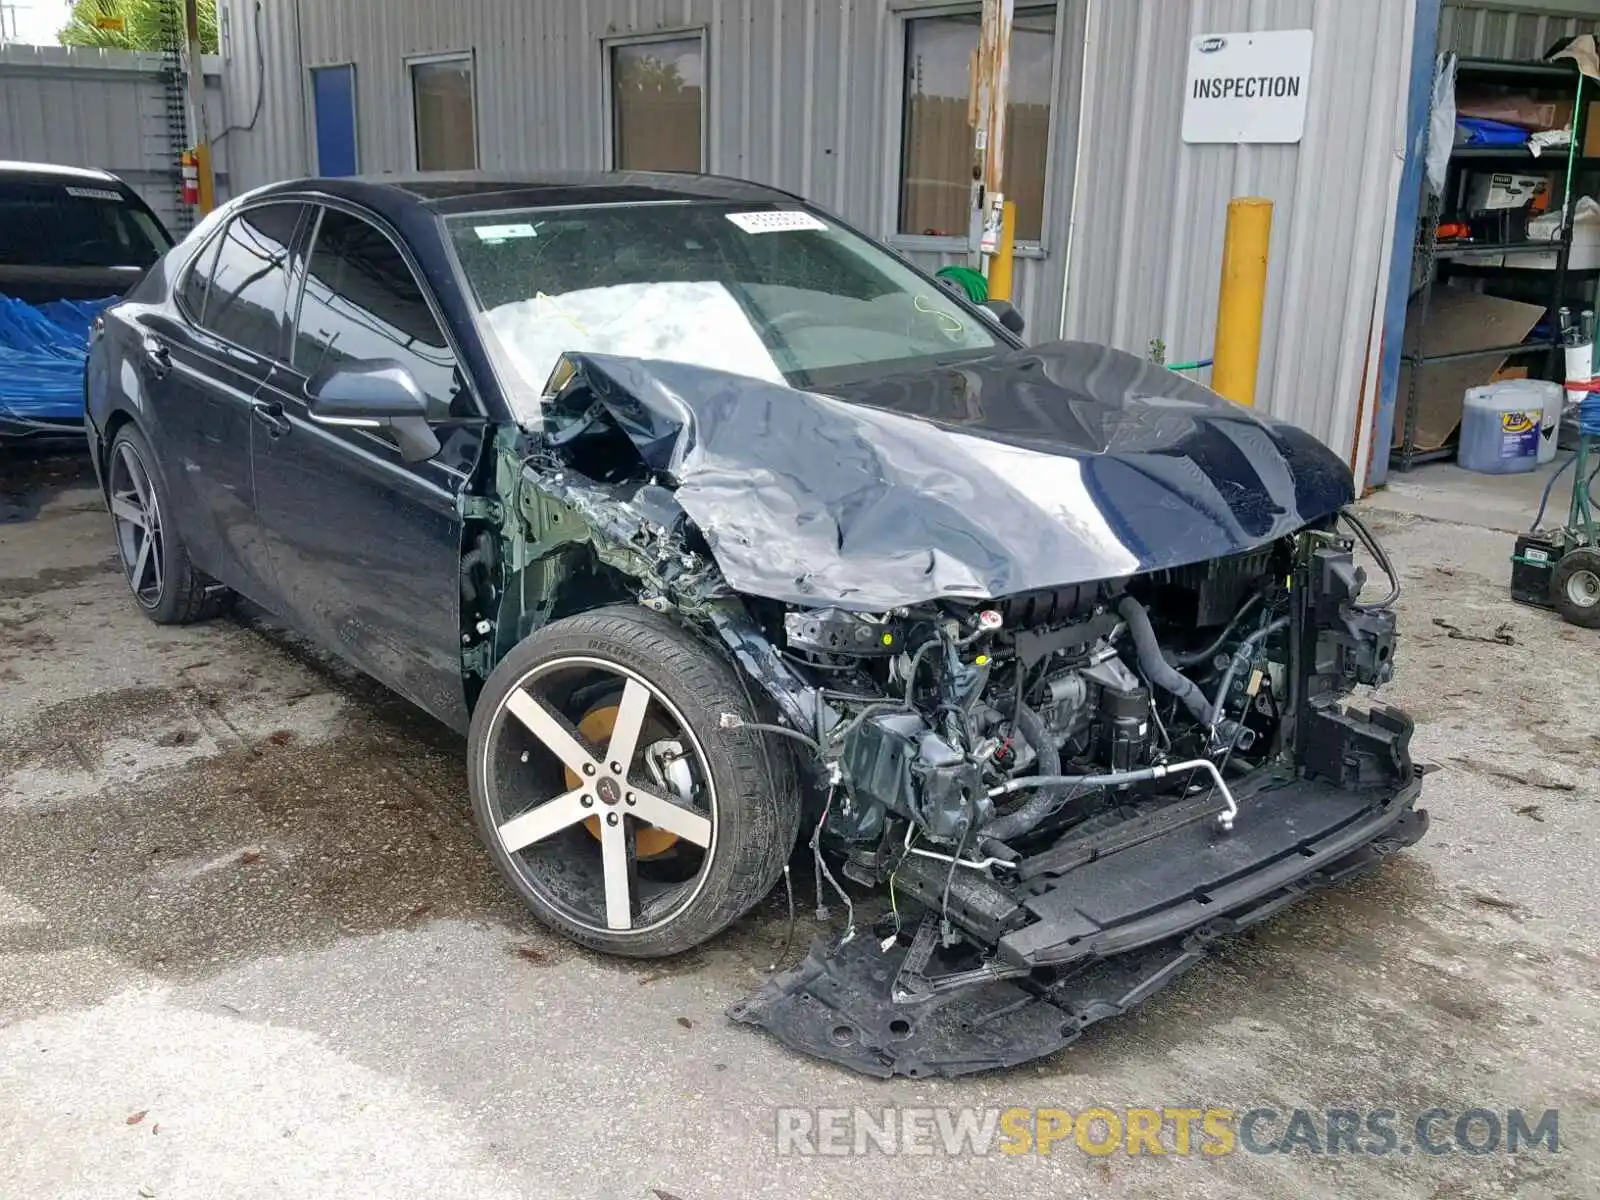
<point x="1585" y="254"/>
<point x="1591" y="131"/>
<point x="1503" y="189"/>
<point x="1457" y="321"/>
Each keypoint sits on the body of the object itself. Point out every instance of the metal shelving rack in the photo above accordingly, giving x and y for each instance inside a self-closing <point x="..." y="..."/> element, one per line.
<point x="1429" y="255"/>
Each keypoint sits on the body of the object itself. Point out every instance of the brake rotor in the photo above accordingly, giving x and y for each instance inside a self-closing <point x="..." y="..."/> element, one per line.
<point x="596" y="726"/>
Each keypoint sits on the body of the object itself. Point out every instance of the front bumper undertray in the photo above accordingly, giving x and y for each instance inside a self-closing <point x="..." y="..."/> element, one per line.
<point x="1109" y="921"/>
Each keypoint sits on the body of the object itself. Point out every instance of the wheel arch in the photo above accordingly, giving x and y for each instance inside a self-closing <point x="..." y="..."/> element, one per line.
<point x="568" y="581"/>
<point x="115" y="421"/>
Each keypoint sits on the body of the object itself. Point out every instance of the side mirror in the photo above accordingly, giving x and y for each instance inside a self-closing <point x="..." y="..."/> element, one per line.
<point x="376" y="393"/>
<point x="1008" y="316"/>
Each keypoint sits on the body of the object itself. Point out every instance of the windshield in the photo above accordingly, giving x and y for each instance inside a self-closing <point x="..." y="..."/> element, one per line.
<point x="776" y="293"/>
<point x="74" y="225"/>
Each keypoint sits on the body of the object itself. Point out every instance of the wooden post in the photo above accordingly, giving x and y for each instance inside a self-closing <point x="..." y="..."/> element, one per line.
<point x="991" y="75"/>
<point x="197" y="108"/>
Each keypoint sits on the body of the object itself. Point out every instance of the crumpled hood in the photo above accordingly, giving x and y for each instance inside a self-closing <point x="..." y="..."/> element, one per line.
<point x="1029" y="469"/>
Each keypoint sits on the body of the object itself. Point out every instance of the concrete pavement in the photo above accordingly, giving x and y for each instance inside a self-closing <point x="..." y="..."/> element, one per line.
<point x="249" y="946"/>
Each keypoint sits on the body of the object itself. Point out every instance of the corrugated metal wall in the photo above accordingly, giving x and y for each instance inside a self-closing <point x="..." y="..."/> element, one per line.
<point x="1494" y="31"/>
<point x="98" y="108"/>
<point x="803" y="94"/>
<point x="262" y="80"/>
<point x="1148" y="230"/>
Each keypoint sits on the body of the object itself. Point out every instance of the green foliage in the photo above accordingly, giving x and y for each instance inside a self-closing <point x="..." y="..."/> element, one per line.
<point x="143" y="24"/>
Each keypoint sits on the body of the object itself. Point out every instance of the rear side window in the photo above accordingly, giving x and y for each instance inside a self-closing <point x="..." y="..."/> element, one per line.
<point x="76" y="224"/>
<point x="247" y="279"/>
<point x="192" y="291"/>
<point x="361" y="301"/>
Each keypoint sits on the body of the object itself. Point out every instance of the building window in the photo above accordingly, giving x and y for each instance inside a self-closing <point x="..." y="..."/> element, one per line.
<point x="658" y="98"/>
<point x="936" y="152"/>
<point x="446" y="119"/>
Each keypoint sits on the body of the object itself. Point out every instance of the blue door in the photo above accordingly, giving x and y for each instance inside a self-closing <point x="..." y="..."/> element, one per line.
<point x="333" y="95"/>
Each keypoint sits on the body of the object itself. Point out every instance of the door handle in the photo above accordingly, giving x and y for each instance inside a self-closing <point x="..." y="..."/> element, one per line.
<point x="270" y="414"/>
<point x="156" y="355"/>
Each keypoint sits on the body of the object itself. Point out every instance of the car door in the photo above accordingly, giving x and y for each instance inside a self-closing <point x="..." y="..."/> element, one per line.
<point x="205" y="359"/>
<point x="366" y="548"/>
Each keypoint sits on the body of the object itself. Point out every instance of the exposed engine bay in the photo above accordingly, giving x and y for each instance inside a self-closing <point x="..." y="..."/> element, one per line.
<point x="982" y="754"/>
<point x="1067" y="792"/>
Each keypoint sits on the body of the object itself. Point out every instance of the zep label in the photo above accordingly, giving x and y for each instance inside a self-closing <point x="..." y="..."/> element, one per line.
<point x="1519" y="435"/>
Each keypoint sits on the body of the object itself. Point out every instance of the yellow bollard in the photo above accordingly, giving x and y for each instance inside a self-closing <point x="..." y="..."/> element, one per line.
<point x="1241" y="299"/>
<point x="1000" y="263"/>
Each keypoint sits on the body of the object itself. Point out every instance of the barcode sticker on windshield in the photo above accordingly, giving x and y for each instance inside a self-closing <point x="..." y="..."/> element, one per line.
<point x="501" y="233"/>
<point x="782" y="221"/>
<point x="94" y="193"/>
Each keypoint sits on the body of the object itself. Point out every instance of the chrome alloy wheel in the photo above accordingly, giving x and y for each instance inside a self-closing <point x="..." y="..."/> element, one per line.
<point x="534" y="753"/>
<point x="137" y="515"/>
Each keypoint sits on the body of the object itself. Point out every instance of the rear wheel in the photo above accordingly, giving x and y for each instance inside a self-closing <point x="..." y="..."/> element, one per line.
<point x="164" y="584"/>
<point x="610" y="794"/>
<point x="1575" y="587"/>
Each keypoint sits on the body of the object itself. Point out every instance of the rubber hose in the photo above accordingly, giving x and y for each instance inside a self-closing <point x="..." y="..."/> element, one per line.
<point x="1041" y="803"/>
<point x="1242" y="657"/>
<point x="1156" y="667"/>
<point x="1193" y="657"/>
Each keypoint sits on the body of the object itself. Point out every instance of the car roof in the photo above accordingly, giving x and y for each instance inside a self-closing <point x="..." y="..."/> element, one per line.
<point x="53" y="172"/>
<point x="478" y="191"/>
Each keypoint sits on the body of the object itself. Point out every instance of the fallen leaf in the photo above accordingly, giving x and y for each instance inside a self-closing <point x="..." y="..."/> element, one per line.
<point x="420" y="910"/>
<point x="532" y="954"/>
<point x="135" y="1118"/>
<point x="246" y="857"/>
<point x="1489" y="901"/>
<point x="146" y="1191"/>
<point x="1534" y="779"/>
<point x="282" y="737"/>
<point x="685" y="1022"/>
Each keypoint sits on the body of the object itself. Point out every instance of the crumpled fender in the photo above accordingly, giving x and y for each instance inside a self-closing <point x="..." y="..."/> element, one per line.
<point x="1022" y="471"/>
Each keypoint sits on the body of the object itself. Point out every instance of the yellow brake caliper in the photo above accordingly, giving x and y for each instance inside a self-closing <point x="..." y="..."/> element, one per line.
<point x="596" y="726"/>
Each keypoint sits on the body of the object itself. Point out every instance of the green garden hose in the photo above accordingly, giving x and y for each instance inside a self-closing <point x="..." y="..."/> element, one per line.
<point x="971" y="280"/>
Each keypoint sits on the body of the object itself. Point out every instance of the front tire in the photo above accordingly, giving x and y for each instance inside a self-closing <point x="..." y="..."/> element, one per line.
<point x="568" y="820"/>
<point x="155" y="564"/>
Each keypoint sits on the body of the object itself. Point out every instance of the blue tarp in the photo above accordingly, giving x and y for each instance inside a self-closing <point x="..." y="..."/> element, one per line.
<point x="42" y="353"/>
<point x="1480" y="131"/>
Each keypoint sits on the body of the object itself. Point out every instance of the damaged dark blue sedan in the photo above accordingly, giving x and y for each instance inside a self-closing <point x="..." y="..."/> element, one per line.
<point x="721" y="531"/>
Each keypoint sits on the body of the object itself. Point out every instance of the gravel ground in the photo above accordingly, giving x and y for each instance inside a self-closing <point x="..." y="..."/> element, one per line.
<point x="249" y="945"/>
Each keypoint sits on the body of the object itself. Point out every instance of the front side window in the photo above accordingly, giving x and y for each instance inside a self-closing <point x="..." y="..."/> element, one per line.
<point x="445" y="114"/>
<point x="361" y="302"/>
<point x="937" y="153"/>
<point x="780" y="294"/>
<point x="72" y="224"/>
<point x="658" y="105"/>
<point x="249" y="282"/>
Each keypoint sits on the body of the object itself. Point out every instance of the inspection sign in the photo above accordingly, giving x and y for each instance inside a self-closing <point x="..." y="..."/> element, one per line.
<point x="1247" y="87"/>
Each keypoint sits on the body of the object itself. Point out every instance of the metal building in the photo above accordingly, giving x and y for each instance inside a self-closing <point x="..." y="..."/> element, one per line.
<point x="860" y="105"/>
